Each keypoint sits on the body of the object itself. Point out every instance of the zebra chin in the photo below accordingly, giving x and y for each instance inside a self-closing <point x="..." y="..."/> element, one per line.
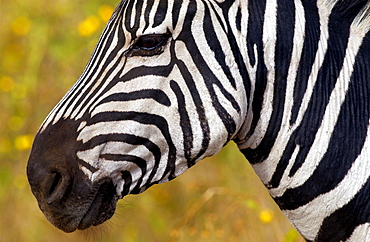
<point x="66" y="196"/>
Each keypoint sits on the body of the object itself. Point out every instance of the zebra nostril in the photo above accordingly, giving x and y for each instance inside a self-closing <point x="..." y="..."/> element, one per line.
<point x="57" y="179"/>
<point x="58" y="185"/>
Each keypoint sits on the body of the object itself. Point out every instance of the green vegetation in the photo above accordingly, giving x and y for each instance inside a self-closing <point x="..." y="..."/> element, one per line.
<point x="44" y="47"/>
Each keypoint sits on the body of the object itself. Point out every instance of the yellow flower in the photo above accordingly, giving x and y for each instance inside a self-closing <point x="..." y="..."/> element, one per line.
<point x="21" y="25"/>
<point x="23" y="142"/>
<point x="105" y="12"/>
<point x="89" y="26"/>
<point x="6" y="84"/>
<point x="266" y="216"/>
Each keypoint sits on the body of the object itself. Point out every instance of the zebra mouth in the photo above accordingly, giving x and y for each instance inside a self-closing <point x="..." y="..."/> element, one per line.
<point x="102" y="207"/>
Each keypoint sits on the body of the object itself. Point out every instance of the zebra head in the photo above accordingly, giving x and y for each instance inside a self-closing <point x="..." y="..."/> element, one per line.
<point x="160" y="92"/>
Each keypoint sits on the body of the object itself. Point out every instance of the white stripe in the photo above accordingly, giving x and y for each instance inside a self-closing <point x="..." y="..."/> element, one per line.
<point x="362" y="20"/>
<point x="180" y="21"/>
<point x="122" y="127"/>
<point x="153" y="12"/>
<point x="133" y="13"/>
<point x="361" y="233"/>
<point x="145" y="105"/>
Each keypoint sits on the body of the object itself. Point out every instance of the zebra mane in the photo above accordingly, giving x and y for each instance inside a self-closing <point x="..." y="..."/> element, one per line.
<point x="358" y="10"/>
<point x="363" y="18"/>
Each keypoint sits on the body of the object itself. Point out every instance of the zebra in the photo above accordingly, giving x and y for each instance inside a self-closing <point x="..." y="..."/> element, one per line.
<point x="170" y="82"/>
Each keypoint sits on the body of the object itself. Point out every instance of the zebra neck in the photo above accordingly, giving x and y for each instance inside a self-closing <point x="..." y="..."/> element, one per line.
<point x="299" y="67"/>
<point x="307" y="125"/>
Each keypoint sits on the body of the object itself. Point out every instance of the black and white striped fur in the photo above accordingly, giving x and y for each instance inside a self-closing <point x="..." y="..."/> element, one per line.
<point x="171" y="82"/>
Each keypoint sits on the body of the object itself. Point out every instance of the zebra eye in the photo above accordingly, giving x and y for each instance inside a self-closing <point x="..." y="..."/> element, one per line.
<point x="149" y="41"/>
<point x="150" y="44"/>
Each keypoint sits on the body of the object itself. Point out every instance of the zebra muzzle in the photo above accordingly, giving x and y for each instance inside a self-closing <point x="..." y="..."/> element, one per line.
<point x="66" y="195"/>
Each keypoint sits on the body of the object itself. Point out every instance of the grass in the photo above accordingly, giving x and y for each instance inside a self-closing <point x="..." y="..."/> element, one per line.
<point x="44" y="48"/>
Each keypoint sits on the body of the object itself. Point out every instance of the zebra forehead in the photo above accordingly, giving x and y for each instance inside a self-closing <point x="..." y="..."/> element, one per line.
<point x="142" y="16"/>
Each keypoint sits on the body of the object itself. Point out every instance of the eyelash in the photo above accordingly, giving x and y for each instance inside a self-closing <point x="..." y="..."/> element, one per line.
<point x="149" y="45"/>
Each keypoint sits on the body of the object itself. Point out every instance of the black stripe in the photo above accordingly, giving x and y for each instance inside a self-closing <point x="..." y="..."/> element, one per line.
<point x="148" y="9"/>
<point x="176" y="12"/>
<point x="155" y="94"/>
<point x="309" y="50"/>
<point x="305" y="134"/>
<point x="87" y="165"/>
<point x="349" y="9"/>
<point x="142" y="71"/>
<point x="141" y="163"/>
<point x="215" y="45"/>
<point x="256" y="11"/>
<point x="184" y="123"/>
<point x="91" y="97"/>
<point x="129" y="11"/>
<point x="238" y="20"/>
<point x="160" y="13"/>
<point x="126" y="176"/>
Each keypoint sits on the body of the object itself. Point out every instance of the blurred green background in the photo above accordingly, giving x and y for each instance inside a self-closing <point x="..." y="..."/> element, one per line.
<point x="44" y="47"/>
